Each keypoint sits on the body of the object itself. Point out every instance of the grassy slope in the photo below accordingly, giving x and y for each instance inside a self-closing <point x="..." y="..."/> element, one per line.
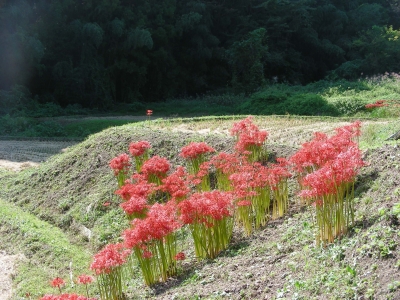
<point x="68" y="192"/>
<point x="47" y="249"/>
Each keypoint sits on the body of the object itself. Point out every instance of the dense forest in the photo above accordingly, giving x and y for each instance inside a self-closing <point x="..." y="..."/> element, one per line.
<point x="99" y="53"/>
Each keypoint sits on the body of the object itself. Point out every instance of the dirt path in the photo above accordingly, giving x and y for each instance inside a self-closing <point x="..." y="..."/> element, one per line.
<point x="18" y="155"/>
<point x="7" y="263"/>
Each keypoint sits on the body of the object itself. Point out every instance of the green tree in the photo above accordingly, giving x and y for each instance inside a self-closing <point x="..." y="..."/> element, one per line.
<point x="247" y="59"/>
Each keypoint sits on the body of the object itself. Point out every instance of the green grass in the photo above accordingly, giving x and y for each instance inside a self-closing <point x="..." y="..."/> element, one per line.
<point x="88" y="127"/>
<point x="47" y="249"/>
<point x="324" y="98"/>
<point x="377" y="134"/>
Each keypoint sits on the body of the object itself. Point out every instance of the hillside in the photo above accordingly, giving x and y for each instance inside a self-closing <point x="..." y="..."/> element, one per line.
<point x="64" y="196"/>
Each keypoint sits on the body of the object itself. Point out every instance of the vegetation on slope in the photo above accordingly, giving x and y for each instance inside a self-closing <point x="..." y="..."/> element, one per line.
<point x="280" y="261"/>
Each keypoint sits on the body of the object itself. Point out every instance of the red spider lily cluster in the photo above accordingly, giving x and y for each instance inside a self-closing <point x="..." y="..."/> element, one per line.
<point x="378" y="103"/>
<point x="206" y="207"/>
<point x="109" y="258"/>
<point x="194" y="150"/>
<point x="161" y="220"/>
<point x="121" y="163"/>
<point x="177" y="184"/>
<point x="155" y="169"/>
<point x="245" y="190"/>
<point x="209" y="217"/>
<point x="139" y="148"/>
<point x="195" y="154"/>
<point x="249" y="138"/>
<point x="107" y="265"/>
<point x="327" y="168"/>
<point x="140" y="152"/>
<point x="120" y="166"/>
<point x="58" y="282"/>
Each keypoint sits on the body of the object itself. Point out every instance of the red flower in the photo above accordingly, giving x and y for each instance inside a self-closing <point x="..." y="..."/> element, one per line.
<point x="378" y="103"/>
<point x="161" y="220"/>
<point x="111" y="256"/>
<point x="138" y="148"/>
<point x="149" y="112"/>
<point x="120" y="163"/>
<point x="225" y="162"/>
<point x="177" y="184"/>
<point x="157" y="166"/>
<point x="84" y="279"/>
<point x="247" y="135"/>
<point x="215" y="204"/>
<point x="135" y="205"/>
<point x="57" y="282"/>
<point x="180" y="256"/>
<point x="140" y="188"/>
<point x="194" y="150"/>
<point x="105" y="204"/>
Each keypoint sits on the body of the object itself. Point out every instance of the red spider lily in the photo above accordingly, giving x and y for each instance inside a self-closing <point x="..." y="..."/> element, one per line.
<point x="139" y="148"/>
<point x="57" y="282"/>
<point x="84" y="279"/>
<point x="378" y="103"/>
<point x="161" y="220"/>
<point x="321" y="149"/>
<point x="177" y="184"/>
<point x="149" y="112"/>
<point x="180" y="256"/>
<point x="209" y="216"/>
<point x="214" y="204"/>
<point x="276" y="175"/>
<point x="244" y="179"/>
<point x="331" y="188"/>
<point x="65" y="297"/>
<point x="110" y="257"/>
<point x="225" y="162"/>
<point x="248" y="139"/>
<point x="120" y="163"/>
<point x="243" y="126"/>
<point x="140" y="187"/>
<point x="352" y="130"/>
<point x="135" y="206"/>
<point x="156" y="166"/>
<point x="194" y="150"/>
<point x="153" y="241"/>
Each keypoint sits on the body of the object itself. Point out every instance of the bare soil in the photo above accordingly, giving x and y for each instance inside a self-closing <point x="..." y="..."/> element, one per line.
<point x="7" y="272"/>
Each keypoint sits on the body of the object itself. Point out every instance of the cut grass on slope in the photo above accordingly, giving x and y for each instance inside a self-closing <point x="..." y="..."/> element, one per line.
<point x="48" y="252"/>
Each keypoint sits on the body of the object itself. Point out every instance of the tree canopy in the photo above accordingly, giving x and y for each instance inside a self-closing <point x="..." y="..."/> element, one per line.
<point x="104" y="52"/>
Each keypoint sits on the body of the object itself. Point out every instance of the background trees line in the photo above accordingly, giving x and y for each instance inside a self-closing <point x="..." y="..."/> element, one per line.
<point x="99" y="53"/>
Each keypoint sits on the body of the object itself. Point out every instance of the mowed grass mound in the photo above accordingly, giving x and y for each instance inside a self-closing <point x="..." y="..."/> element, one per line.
<point x="69" y="190"/>
<point x="54" y="214"/>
